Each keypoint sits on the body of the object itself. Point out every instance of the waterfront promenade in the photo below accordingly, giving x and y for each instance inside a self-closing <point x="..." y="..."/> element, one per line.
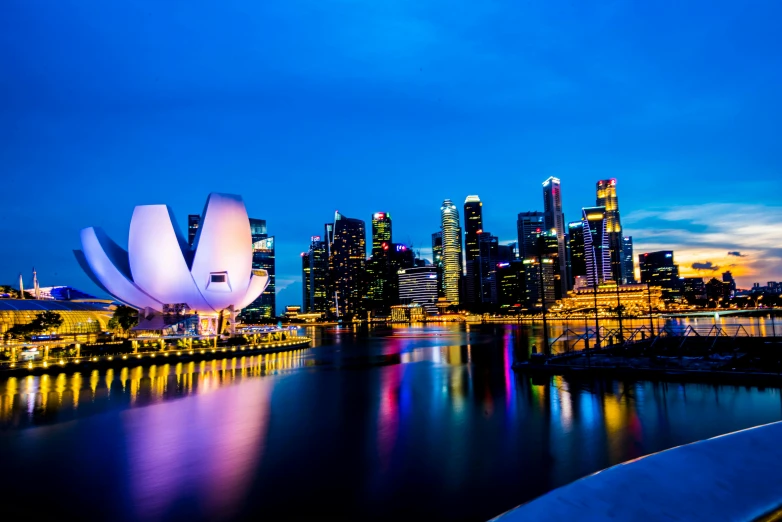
<point x="732" y="477"/>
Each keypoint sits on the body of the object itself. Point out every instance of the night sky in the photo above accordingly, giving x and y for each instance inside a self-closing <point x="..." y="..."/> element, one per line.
<point x="306" y="107"/>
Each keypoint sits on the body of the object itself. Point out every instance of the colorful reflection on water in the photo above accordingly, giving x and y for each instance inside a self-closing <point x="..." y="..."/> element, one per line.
<point x="388" y="424"/>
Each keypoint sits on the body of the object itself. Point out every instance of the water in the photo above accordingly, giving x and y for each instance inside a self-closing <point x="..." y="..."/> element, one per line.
<point x="388" y="424"/>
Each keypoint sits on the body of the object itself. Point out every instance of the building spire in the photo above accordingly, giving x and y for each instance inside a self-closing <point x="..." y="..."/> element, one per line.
<point x="36" y="287"/>
<point x="21" y="286"/>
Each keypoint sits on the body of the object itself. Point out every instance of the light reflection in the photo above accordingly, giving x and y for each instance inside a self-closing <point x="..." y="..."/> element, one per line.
<point x="49" y="397"/>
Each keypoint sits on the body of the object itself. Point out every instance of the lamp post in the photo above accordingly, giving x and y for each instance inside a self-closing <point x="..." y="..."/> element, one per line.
<point x="597" y="320"/>
<point x="619" y="313"/>
<point x="649" y="297"/>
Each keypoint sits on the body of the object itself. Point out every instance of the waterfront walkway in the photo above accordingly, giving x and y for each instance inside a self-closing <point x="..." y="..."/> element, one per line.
<point x="733" y="477"/>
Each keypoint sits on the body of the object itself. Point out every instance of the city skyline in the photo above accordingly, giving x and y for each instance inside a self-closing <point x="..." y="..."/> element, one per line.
<point x="513" y="104"/>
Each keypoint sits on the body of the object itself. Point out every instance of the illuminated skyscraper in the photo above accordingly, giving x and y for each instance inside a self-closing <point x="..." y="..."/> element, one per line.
<point x="452" y="250"/>
<point x="193" y="222"/>
<point x="473" y="225"/>
<point x="554" y="220"/>
<point x="315" y="267"/>
<point x="628" y="268"/>
<point x="437" y="260"/>
<point x="529" y="225"/>
<point x="381" y="231"/>
<point x="596" y="248"/>
<point x="265" y="307"/>
<point x="346" y="265"/>
<point x="576" y="257"/>
<point x="659" y="269"/>
<point x="606" y="197"/>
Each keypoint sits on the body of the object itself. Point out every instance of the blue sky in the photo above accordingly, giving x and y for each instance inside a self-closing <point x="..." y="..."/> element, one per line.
<point x="305" y="107"/>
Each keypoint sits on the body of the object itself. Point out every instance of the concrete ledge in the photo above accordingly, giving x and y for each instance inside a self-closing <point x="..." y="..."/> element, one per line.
<point x="732" y="477"/>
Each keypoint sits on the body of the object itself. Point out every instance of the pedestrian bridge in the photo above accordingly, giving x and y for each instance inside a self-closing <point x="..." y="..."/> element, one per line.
<point x="732" y="477"/>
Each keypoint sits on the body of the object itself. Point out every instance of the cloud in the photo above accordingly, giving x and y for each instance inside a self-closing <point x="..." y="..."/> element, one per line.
<point x="708" y="265"/>
<point x="744" y="238"/>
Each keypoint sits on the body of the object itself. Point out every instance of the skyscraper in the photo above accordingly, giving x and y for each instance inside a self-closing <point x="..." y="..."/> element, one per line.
<point x="381" y="231"/>
<point x="606" y="197"/>
<point x="529" y="225"/>
<point x="452" y="250"/>
<point x="193" y="222"/>
<point x="485" y="266"/>
<point x="576" y="257"/>
<point x="437" y="260"/>
<point x="264" y="307"/>
<point x="258" y="229"/>
<point x="596" y="248"/>
<point x="315" y="266"/>
<point x="473" y="225"/>
<point x="418" y="285"/>
<point x="628" y="268"/>
<point x="659" y="269"/>
<point x="554" y="220"/>
<point x="347" y="264"/>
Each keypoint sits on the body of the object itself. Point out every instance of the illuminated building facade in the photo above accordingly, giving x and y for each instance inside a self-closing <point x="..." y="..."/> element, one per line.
<point x="694" y="289"/>
<point x="193" y="220"/>
<point x="538" y="282"/>
<point x="606" y="197"/>
<point x="529" y="226"/>
<point x="659" y="269"/>
<point x="383" y="275"/>
<point x="473" y="226"/>
<point x="315" y="268"/>
<point x="409" y="313"/>
<point x="597" y="251"/>
<point x="347" y="265"/>
<point x="161" y="274"/>
<point x="81" y="320"/>
<point x="381" y="231"/>
<point x="452" y="251"/>
<point x="576" y="258"/>
<point x="634" y="298"/>
<point x="437" y="260"/>
<point x="628" y="266"/>
<point x="418" y="285"/>
<point x="265" y="306"/>
<point x="511" y="287"/>
<point x="554" y="220"/>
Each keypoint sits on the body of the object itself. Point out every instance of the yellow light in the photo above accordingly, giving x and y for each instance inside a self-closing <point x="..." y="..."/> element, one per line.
<point x="30" y="365"/>
<point x="139" y="356"/>
<point x="179" y="353"/>
<point x="110" y="357"/>
<point x="94" y="358"/>
<point x="45" y="364"/>
<point x="191" y="352"/>
<point x="77" y="361"/>
<point x="62" y="362"/>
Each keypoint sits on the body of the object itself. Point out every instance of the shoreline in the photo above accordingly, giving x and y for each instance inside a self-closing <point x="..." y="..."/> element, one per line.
<point x="149" y="358"/>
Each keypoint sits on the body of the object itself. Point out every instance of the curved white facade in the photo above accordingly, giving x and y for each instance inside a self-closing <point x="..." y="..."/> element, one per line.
<point x="159" y="268"/>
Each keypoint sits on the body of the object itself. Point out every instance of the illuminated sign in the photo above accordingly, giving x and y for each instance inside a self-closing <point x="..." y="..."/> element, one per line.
<point x="315" y="238"/>
<point x="379" y="215"/>
<point x="594" y="217"/>
<point x="401" y="248"/>
<point x="502" y="265"/>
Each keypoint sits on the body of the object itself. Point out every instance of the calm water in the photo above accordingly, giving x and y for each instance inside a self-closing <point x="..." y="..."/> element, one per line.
<point x="382" y="425"/>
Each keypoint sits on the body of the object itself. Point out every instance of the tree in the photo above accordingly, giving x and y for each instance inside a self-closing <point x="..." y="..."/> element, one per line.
<point x="44" y="322"/>
<point x="124" y="318"/>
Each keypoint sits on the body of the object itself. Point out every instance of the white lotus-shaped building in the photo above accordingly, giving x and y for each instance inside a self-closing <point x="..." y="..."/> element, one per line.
<point x="162" y="273"/>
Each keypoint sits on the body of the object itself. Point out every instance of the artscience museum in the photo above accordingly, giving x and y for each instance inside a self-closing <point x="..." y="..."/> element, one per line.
<point x="178" y="289"/>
